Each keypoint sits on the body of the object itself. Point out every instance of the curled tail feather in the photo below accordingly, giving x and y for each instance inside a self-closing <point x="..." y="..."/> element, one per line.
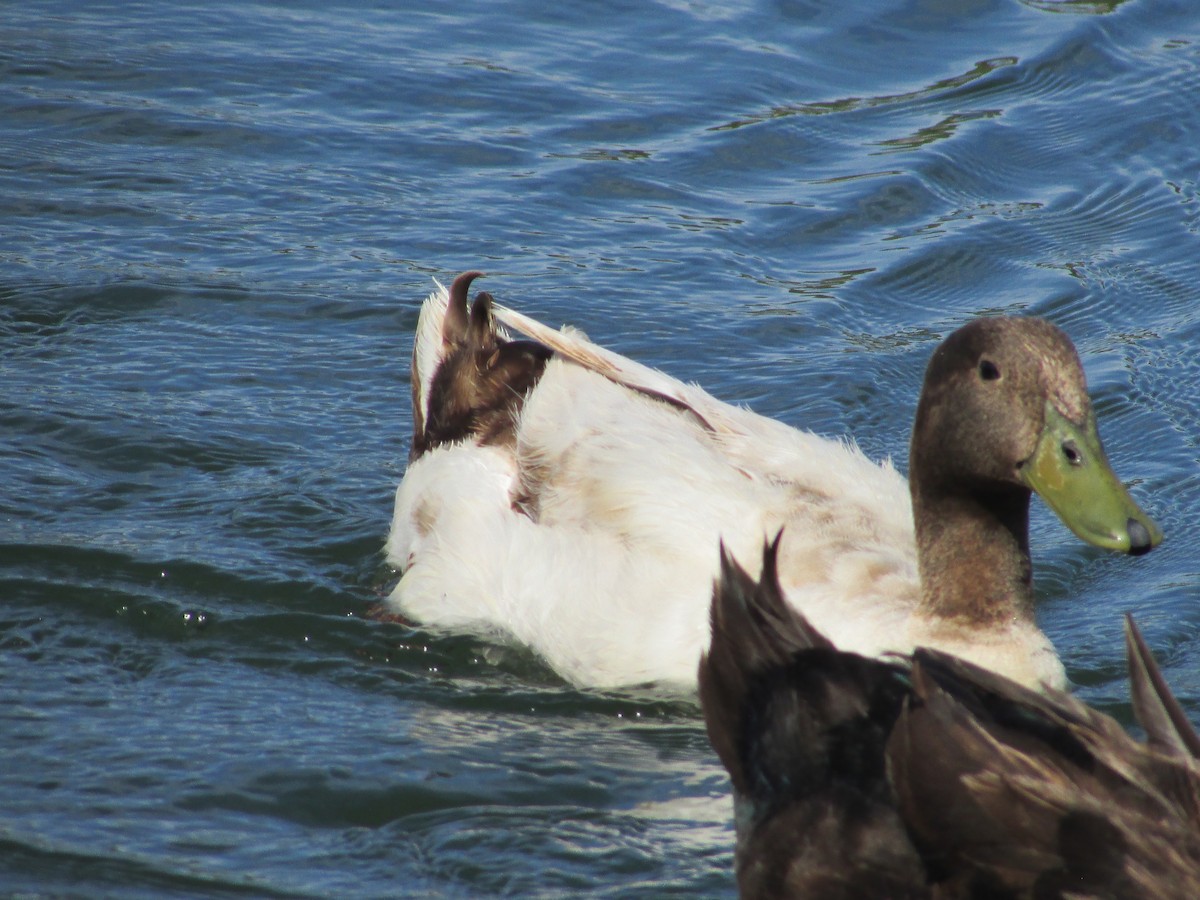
<point x="470" y="381"/>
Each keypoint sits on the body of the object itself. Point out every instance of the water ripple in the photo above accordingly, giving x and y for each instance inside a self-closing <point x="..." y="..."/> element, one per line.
<point x="220" y="221"/>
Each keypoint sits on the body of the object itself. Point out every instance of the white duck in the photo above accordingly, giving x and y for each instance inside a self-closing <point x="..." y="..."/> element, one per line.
<point x="570" y="498"/>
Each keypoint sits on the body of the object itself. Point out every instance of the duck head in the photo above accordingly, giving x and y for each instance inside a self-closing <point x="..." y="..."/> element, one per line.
<point x="1005" y="407"/>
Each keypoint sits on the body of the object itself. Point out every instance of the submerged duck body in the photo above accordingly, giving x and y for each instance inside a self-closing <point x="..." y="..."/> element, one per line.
<point x="570" y="498"/>
<point x="930" y="777"/>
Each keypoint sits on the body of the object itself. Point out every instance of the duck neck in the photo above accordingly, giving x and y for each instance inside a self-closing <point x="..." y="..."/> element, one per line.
<point x="973" y="552"/>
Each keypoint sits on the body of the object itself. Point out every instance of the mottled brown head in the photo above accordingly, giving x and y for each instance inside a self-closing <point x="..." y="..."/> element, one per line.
<point x="1005" y="406"/>
<point x="983" y="405"/>
<point x="482" y="378"/>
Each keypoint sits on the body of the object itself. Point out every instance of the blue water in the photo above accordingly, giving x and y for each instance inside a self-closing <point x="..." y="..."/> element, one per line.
<point x="217" y="222"/>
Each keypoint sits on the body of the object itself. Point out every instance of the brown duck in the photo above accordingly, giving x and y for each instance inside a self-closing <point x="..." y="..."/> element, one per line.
<point x="928" y="776"/>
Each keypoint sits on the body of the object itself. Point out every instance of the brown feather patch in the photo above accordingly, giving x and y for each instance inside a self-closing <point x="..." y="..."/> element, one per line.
<point x="482" y="379"/>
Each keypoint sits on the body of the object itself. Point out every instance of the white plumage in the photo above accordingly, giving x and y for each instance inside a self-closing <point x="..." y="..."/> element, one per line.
<point x="592" y="534"/>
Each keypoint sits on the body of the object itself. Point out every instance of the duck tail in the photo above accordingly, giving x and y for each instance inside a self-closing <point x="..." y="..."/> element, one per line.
<point x="469" y="378"/>
<point x="754" y="631"/>
<point x="441" y="311"/>
<point x="1157" y="711"/>
<point x="801" y="727"/>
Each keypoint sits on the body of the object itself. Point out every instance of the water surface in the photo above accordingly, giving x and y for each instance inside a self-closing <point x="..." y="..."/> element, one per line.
<point x="217" y="222"/>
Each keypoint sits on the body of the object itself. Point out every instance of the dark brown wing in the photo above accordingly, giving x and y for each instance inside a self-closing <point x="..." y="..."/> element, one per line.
<point x="1013" y="793"/>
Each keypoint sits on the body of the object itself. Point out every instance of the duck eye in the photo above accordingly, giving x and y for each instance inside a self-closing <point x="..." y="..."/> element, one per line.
<point x="988" y="370"/>
<point x="1071" y="451"/>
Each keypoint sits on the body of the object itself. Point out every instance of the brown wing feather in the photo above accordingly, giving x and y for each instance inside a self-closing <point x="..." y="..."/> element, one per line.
<point x="1156" y="708"/>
